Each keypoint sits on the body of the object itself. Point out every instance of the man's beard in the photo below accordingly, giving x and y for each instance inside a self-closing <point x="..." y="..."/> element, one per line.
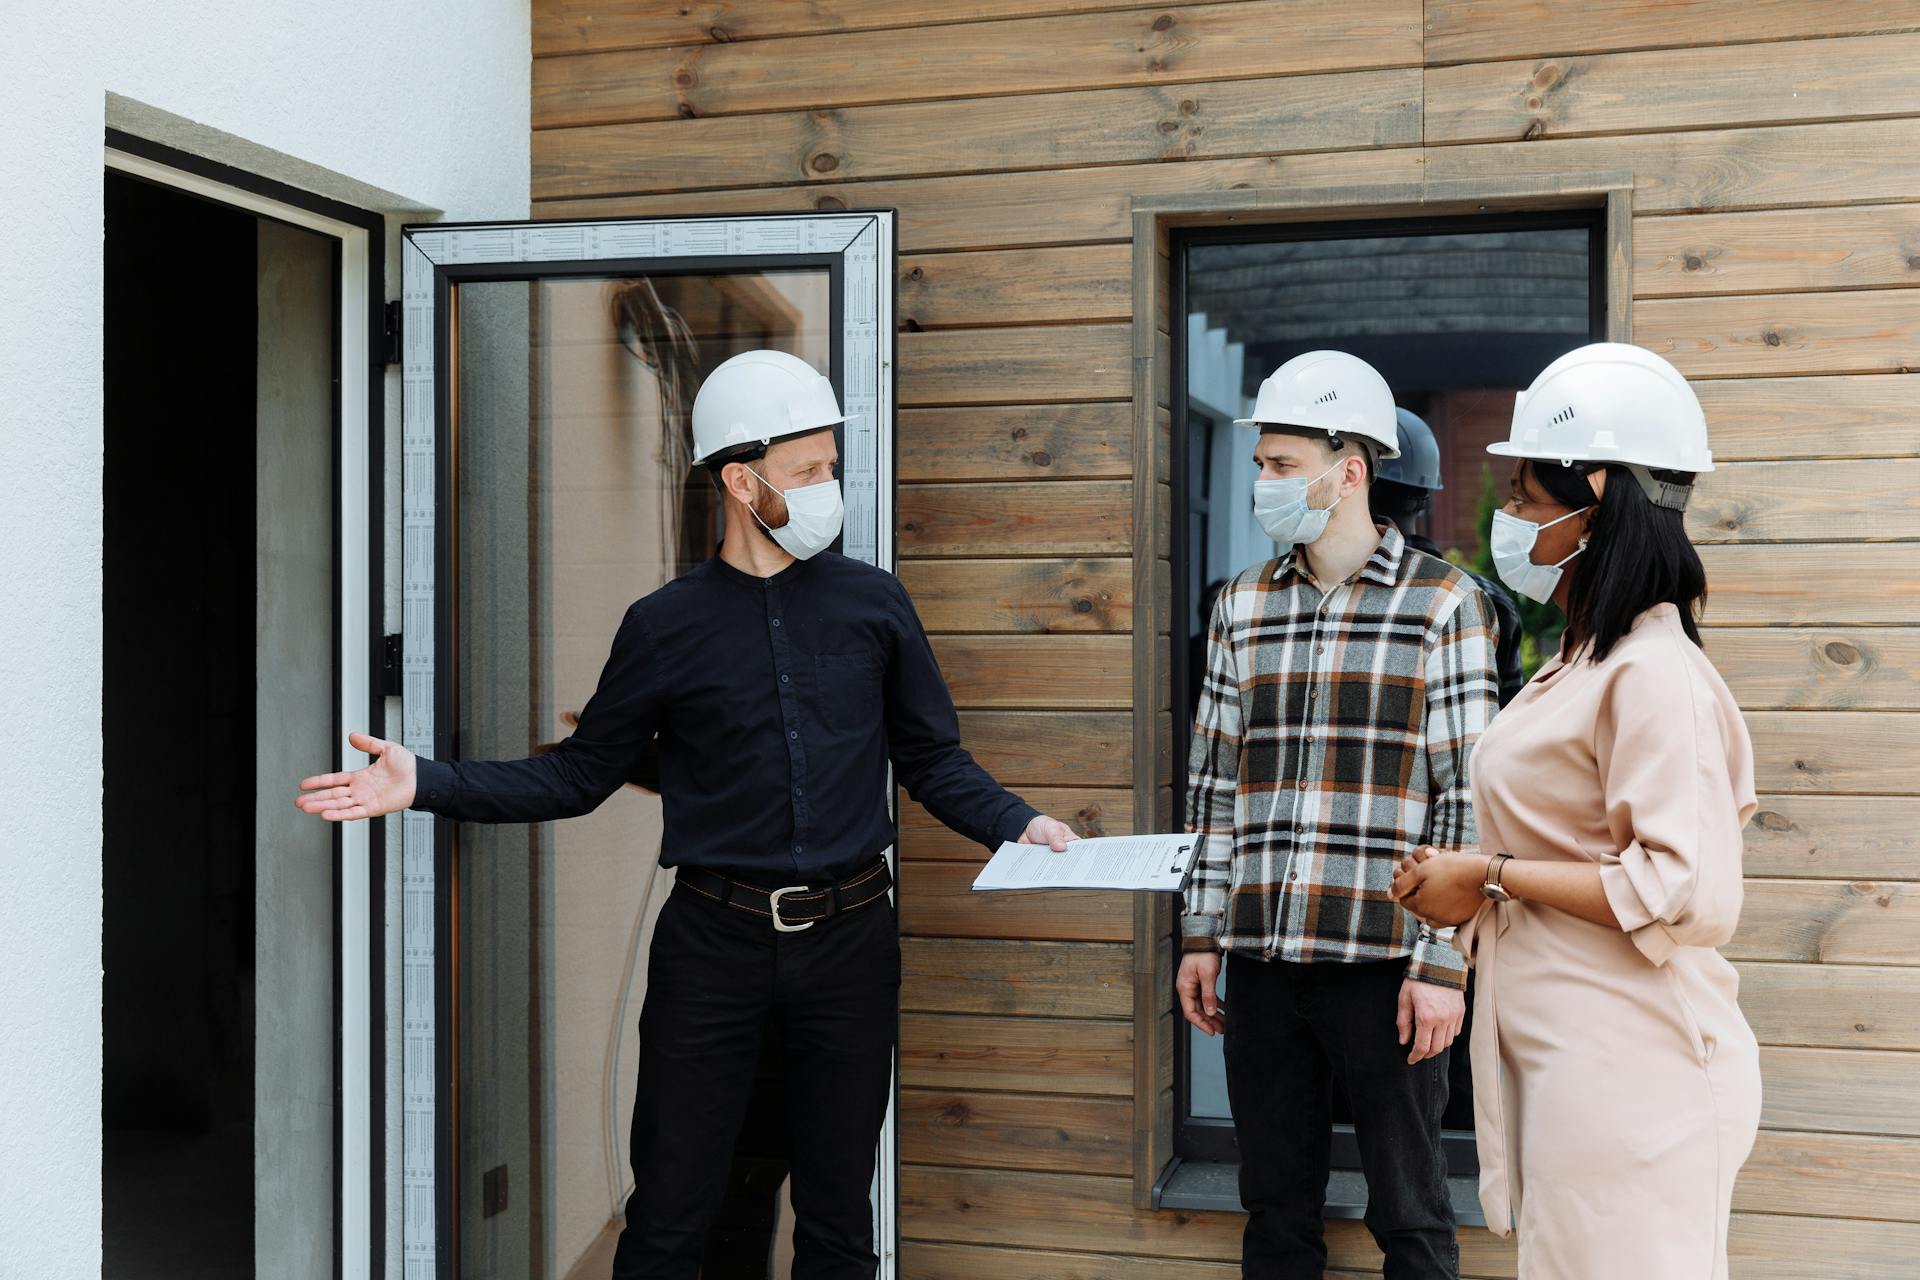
<point x="771" y="507"/>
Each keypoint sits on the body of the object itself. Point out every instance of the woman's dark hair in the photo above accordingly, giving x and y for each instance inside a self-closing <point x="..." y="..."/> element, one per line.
<point x="1637" y="556"/>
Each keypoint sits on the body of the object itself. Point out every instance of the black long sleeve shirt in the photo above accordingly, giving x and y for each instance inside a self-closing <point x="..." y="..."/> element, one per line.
<point x="778" y="703"/>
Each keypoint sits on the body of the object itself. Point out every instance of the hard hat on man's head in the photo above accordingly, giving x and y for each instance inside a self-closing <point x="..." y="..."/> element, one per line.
<point x="1328" y="391"/>
<point x="758" y="397"/>
<point x="1613" y="402"/>
<point x="1417" y="465"/>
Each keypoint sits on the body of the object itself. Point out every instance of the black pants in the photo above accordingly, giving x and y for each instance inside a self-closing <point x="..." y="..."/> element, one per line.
<point x="715" y="976"/>
<point x="1292" y="1030"/>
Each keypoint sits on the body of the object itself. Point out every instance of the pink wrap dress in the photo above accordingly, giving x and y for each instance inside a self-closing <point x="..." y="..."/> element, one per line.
<point x="1616" y="1083"/>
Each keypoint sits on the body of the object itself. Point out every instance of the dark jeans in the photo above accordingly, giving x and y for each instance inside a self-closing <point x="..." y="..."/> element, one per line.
<point x="715" y="976"/>
<point x="1292" y="1030"/>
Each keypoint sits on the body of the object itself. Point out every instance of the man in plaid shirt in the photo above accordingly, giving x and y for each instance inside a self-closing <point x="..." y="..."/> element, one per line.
<point x="1346" y="684"/>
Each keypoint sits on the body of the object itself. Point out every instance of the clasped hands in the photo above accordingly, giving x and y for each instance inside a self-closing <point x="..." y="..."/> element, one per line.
<point x="1441" y="887"/>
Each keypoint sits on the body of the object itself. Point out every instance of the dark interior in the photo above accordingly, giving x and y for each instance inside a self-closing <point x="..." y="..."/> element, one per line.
<point x="178" y="729"/>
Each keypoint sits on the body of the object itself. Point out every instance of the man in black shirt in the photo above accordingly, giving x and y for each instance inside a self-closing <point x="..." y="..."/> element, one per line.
<point x="780" y="679"/>
<point x="1400" y="493"/>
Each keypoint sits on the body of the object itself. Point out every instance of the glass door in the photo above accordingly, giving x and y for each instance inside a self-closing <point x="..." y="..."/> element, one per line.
<point x="549" y="371"/>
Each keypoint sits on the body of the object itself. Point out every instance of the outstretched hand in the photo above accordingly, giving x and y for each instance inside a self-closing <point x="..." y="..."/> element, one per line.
<point x="385" y="786"/>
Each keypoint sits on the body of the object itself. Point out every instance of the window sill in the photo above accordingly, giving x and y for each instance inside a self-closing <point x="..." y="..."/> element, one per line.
<point x="1202" y="1184"/>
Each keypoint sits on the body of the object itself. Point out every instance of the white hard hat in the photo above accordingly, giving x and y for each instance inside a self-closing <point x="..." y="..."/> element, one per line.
<point x="1329" y="391"/>
<point x="758" y="397"/>
<point x="1613" y="402"/>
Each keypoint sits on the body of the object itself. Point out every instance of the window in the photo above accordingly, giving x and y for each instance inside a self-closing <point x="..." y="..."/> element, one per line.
<point x="1458" y="313"/>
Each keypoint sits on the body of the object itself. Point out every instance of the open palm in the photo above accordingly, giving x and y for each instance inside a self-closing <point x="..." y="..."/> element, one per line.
<point x="385" y="786"/>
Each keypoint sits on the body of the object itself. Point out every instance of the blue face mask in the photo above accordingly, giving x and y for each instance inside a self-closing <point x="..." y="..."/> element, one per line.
<point x="1281" y="508"/>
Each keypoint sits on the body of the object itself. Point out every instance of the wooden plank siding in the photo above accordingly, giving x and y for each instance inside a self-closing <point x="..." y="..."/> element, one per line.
<point x="1774" y="154"/>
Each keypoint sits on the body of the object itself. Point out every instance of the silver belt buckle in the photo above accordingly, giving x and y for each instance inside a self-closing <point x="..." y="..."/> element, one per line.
<point x="773" y="901"/>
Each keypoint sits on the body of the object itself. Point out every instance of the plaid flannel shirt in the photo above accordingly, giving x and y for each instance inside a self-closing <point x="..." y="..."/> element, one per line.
<point x="1331" y="739"/>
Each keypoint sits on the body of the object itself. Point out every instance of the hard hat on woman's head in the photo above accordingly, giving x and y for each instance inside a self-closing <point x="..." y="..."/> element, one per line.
<point x="1613" y="402"/>
<point x="1328" y="391"/>
<point x="758" y="397"/>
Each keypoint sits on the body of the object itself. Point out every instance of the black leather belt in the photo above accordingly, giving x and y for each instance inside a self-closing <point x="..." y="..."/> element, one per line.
<point x="794" y="907"/>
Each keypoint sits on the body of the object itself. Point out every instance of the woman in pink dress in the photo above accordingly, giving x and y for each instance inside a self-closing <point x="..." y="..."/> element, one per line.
<point x="1616" y="1083"/>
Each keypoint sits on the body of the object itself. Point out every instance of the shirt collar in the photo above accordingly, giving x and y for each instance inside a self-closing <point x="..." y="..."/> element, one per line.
<point x="720" y="566"/>
<point x="1383" y="566"/>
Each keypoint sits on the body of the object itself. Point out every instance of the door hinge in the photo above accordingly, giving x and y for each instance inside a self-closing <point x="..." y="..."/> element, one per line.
<point x="390" y="349"/>
<point x="392" y="649"/>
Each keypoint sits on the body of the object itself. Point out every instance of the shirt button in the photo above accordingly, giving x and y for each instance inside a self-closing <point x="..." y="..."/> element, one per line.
<point x="799" y="848"/>
<point x="794" y="734"/>
<point x="783" y="677"/>
<point x="776" y="622"/>
<point x="799" y="791"/>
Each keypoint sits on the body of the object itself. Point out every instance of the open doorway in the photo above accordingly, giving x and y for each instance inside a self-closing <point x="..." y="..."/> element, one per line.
<point x="221" y="371"/>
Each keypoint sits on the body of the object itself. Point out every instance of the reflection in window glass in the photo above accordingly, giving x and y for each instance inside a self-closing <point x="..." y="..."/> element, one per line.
<point x="1456" y="322"/>
<point x="574" y="498"/>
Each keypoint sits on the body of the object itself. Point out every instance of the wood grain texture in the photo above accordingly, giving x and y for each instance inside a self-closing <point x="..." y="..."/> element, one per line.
<point x="1694" y="171"/>
<point x="1071" y="749"/>
<point x="1807" y="500"/>
<point x="1837" y="837"/>
<point x="1015" y="442"/>
<point x="1015" y="286"/>
<point x="1142" y="46"/>
<point x="1840" y="1091"/>
<point x="984" y="135"/>
<point x="1015" y="1131"/>
<point x="937" y="901"/>
<point x="1483" y="30"/>
<point x="1072" y="518"/>
<point x="1832" y="1006"/>
<point x="1718" y="169"/>
<point x="1833" y="1175"/>
<point x="1792" y="250"/>
<point x="1002" y="366"/>
<point x="1015" y="979"/>
<point x="1034" y="1055"/>
<point x="1847" y="669"/>
<point x="1079" y="672"/>
<point x="1864" y="752"/>
<point x="1831" y="417"/>
<point x="1090" y="812"/>
<point x="1829" y="922"/>
<point x="1858" y="583"/>
<point x="572" y="26"/>
<point x="1781" y="83"/>
<point x="1865" y="331"/>
<point x="927" y="1261"/>
<point x="1096" y="1215"/>
<point x="1042" y="207"/>
<point x="1760" y="1247"/>
<point x="1027" y="597"/>
<point x="1778" y="1247"/>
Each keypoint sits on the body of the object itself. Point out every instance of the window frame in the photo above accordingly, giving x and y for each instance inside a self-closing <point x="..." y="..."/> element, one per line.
<point x="1163" y="227"/>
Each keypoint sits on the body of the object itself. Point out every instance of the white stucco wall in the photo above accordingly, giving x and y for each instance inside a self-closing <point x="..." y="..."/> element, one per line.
<point x="406" y="108"/>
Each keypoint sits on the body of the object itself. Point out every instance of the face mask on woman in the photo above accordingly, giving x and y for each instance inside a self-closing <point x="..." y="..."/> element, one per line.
<point x="1281" y="508"/>
<point x="814" y="515"/>
<point x="1512" y="540"/>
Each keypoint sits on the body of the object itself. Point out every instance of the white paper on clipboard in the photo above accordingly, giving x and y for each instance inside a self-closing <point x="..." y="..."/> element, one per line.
<point x="1147" y="863"/>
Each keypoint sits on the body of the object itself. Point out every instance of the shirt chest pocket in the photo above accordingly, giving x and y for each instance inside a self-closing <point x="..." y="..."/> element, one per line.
<point x="846" y="689"/>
